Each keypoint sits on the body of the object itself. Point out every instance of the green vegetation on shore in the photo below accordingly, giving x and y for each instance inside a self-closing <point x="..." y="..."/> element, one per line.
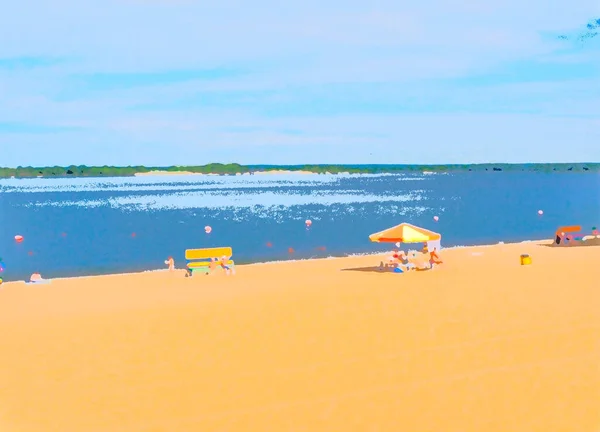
<point x="113" y="171"/>
<point x="233" y="168"/>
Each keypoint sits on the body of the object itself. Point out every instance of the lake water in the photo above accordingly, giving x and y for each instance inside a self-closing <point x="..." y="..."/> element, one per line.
<point x="83" y="226"/>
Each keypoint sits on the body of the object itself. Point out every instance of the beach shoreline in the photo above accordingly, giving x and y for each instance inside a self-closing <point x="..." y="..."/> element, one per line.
<point x="287" y="261"/>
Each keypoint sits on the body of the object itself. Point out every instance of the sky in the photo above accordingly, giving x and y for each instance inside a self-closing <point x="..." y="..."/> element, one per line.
<point x="183" y="82"/>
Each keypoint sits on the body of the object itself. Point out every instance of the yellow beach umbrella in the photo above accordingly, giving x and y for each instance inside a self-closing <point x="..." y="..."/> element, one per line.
<point x="405" y="233"/>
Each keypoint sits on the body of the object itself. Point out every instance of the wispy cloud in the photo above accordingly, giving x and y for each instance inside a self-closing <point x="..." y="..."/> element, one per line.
<point x="549" y="69"/>
<point x="32" y="128"/>
<point x="113" y="81"/>
<point x="489" y="94"/>
<point x="291" y="82"/>
<point x="24" y="62"/>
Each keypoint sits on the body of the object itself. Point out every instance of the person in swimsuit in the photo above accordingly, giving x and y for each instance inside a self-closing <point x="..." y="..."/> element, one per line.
<point x="36" y="277"/>
<point x="402" y="259"/>
<point x="171" y="263"/>
<point x="433" y="256"/>
<point x="405" y="261"/>
<point x="219" y="262"/>
<point x="224" y="266"/>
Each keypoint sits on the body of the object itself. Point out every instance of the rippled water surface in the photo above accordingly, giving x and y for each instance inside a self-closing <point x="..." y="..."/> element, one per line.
<point x="90" y="226"/>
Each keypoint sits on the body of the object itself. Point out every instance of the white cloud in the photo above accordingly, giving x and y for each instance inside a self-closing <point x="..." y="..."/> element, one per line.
<point x="127" y="35"/>
<point x="299" y="53"/>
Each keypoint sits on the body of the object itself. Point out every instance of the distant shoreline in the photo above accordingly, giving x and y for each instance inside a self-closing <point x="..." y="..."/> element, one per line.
<point x="73" y="171"/>
<point x="177" y="173"/>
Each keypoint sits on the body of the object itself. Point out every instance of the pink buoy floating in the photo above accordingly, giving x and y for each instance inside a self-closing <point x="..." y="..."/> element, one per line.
<point x="540" y="212"/>
<point x="436" y="218"/>
<point x="18" y="238"/>
<point x="207" y="229"/>
<point x="308" y="223"/>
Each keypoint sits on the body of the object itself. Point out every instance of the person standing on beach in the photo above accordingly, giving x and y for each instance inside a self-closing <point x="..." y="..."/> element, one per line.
<point x="171" y="263"/>
<point x="434" y="258"/>
<point x="431" y="256"/>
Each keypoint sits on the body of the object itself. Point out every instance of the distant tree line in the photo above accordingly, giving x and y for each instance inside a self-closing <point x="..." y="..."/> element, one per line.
<point x="113" y="171"/>
<point x="234" y="168"/>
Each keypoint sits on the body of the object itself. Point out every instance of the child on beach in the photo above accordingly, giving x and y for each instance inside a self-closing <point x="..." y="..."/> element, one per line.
<point x="36" y="278"/>
<point x="224" y="266"/>
<point x="432" y="256"/>
<point x="171" y="263"/>
<point x="222" y="262"/>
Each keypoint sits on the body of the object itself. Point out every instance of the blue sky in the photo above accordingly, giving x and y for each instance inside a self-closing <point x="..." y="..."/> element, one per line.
<point x="179" y="82"/>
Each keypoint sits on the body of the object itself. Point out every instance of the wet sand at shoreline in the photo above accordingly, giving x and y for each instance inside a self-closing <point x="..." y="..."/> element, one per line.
<point x="480" y="343"/>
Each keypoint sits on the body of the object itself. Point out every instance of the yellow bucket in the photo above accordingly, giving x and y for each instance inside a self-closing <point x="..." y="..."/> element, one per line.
<point x="525" y="260"/>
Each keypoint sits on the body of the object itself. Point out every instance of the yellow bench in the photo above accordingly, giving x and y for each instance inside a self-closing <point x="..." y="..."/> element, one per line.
<point x="200" y="259"/>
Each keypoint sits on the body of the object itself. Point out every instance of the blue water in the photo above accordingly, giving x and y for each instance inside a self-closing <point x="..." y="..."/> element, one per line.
<point x="84" y="226"/>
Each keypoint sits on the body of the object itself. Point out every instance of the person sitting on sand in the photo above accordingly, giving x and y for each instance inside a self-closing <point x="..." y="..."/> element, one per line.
<point x="221" y="262"/>
<point x="171" y="263"/>
<point x="420" y="260"/>
<point x="212" y="265"/>
<point x="403" y="260"/>
<point x="224" y="266"/>
<point x="393" y="259"/>
<point x="36" y="277"/>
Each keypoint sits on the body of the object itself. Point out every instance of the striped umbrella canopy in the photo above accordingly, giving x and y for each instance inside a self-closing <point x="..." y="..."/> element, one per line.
<point x="405" y="233"/>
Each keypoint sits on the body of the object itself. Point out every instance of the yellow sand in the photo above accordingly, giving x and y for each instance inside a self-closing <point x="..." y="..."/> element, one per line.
<point x="479" y="344"/>
<point x="167" y="173"/>
<point x="272" y="172"/>
<point x="175" y="173"/>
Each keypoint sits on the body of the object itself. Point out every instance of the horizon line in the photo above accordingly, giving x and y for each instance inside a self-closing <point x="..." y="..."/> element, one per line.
<point x="307" y="164"/>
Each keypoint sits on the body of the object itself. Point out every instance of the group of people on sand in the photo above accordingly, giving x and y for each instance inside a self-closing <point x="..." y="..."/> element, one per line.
<point x="425" y="260"/>
<point x="222" y="262"/>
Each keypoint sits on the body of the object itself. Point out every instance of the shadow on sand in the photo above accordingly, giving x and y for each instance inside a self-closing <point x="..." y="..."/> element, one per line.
<point x="377" y="269"/>
<point x="373" y="269"/>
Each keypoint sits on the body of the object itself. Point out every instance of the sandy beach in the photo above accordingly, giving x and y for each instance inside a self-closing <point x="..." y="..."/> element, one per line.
<point x="480" y="343"/>
<point x="169" y="173"/>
